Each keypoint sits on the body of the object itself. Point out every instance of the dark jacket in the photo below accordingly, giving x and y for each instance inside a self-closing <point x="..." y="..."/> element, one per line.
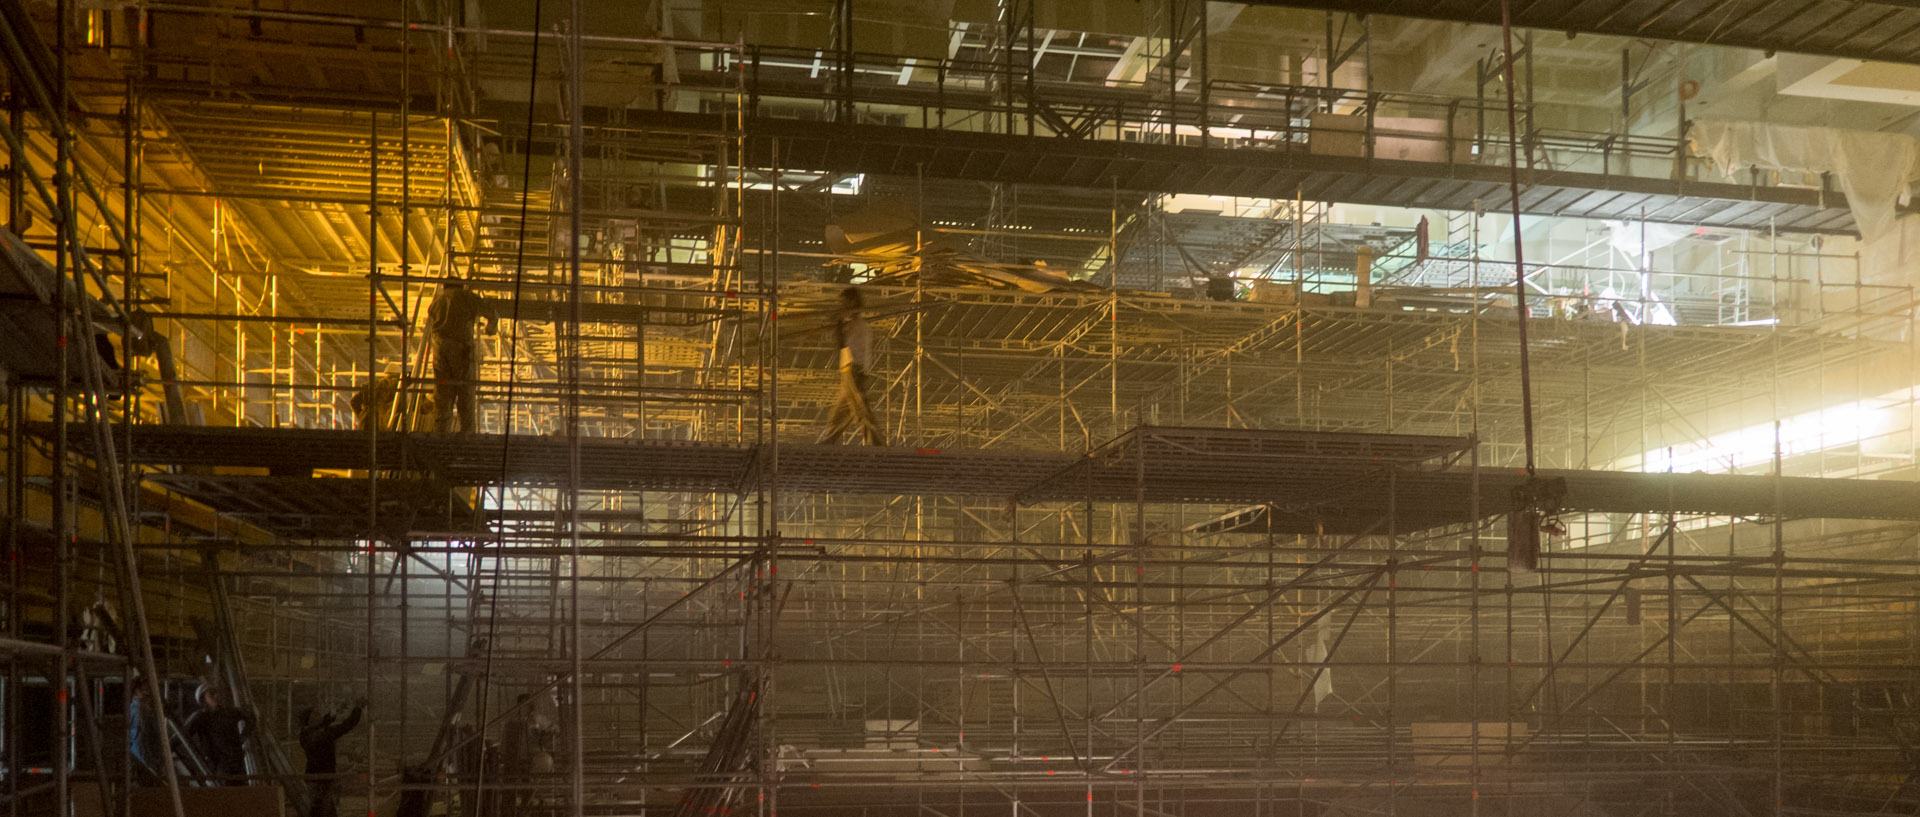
<point x="219" y="735"/>
<point x="451" y="315"/>
<point x="319" y="742"/>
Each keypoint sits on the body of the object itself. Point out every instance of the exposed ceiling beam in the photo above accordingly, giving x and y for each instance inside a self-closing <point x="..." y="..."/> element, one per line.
<point x="1861" y="29"/>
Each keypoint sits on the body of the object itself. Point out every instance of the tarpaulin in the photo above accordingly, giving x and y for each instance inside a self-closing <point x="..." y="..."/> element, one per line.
<point x="1871" y="167"/>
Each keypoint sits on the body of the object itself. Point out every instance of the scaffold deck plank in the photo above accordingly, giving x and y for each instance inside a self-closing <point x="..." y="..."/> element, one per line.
<point x="1161" y="464"/>
<point x="909" y="471"/>
<point x="1327" y="481"/>
<point x="1045" y="160"/>
<point x="300" y="507"/>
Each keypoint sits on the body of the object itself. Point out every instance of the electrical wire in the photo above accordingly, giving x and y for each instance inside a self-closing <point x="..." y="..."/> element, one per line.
<point x="1519" y="255"/>
<point x="506" y="437"/>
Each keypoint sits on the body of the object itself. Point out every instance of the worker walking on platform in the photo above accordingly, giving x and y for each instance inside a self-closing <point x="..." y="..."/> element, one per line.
<point x="320" y="736"/>
<point x="855" y="341"/>
<point x="455" y="368"/>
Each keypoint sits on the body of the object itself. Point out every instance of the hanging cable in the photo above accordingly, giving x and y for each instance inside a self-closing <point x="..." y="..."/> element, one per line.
<point x="1536" y="501"/>
<point x="506" y="423"/>
<point x="1519" y="256"/>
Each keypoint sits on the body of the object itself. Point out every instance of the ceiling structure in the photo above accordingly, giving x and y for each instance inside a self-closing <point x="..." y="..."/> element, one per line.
<point x="1867" y="30"/>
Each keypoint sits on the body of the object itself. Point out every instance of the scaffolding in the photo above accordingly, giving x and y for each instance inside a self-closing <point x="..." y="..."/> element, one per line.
<point x="1146" y="552"/>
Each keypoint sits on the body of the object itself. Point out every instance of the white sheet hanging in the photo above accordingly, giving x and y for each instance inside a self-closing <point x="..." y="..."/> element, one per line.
<point x="1894" y="257"/>
<point x="1872" y="168"/>
<point x="1316" y="652"/>
<point x="1625" y="236"/>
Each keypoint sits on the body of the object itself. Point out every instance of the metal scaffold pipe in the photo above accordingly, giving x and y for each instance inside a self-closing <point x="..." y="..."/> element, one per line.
<point x="576" y="145"/>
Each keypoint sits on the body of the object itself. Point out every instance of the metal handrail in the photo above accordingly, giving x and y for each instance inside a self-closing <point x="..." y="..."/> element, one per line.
<point x="962" y="94"/>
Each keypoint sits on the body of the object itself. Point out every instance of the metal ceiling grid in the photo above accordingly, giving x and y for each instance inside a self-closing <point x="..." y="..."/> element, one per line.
<point x="300" y="183"/>
<point x="1870" y="30"/>
<point x="317" y="59"/>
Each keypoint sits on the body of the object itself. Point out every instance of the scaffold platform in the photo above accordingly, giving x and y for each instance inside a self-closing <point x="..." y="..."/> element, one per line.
<point x="313" y="482"/>
<point x="1048" y="160"/>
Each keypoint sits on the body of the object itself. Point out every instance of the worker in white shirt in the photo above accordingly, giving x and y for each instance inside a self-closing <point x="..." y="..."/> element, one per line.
<point x="855" y="340"/>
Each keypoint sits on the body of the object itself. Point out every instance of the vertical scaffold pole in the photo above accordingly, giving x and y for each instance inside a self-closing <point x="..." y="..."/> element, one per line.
<point x="406" y="333"/>
<point x="62" y="526"/>
<point x="576" y="143"/>
<point x="373" y="442"/>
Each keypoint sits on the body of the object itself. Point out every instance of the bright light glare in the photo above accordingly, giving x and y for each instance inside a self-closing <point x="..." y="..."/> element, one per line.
<point x="1230" y="206"/>
<point x="849" y="185"/>
<point x="1877" y="424"/>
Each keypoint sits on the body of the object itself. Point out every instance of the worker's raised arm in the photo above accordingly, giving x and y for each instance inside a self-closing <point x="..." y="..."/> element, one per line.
<point x="335" y="731"/>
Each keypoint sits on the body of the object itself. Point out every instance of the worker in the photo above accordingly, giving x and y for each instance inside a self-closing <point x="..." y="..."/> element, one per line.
<point x="464" y="764"/>
<point x="451" y="318"/>
<point x="1624" y="319"/>
<point x="373" y="403"/>
<point x="141" y="740"/>
<point x="219" y="733"/>
<point x="518" y="745"/>
<point x="319" y="737"/>
<point x="855" y="342"/>
<point x="416" y="791"/>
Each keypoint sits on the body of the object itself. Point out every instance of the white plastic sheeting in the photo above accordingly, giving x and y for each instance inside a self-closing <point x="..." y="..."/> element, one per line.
<point x="1872" y="168"/>
<point x="1627" y="237"/>
<point x="1316" y="653"/>
<point x="1894" y="256"/>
